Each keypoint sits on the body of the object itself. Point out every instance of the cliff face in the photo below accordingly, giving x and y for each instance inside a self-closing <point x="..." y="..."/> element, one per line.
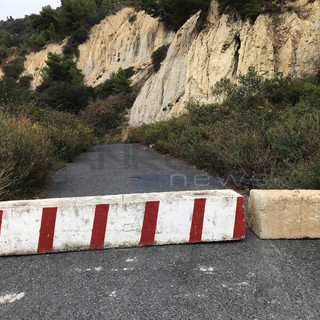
<point x="288" y="43"/>
<point x="163" y="92"/>
<point x="126" y="39"/>
<point x="199" y="55"/>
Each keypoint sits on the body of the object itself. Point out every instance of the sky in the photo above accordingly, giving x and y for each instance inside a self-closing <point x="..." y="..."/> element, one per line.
<point x="20" y="8"/>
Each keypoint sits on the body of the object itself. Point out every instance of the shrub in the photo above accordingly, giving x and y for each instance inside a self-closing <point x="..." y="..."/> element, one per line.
<point x="12" y="93"/>
<point x="76" y="38"/>
<point x="25" y="81"/>
<point x="36" y="41"/>
<point x="68" y="135"/>
<point x="265" y="131"/>
<point x="174" y="13"/>
<point x="159" y="56"/>
<point x="118" y="83"/>
<point x="34" y="143"/>
<point x="13" y="67"/>
<point x="25" y="157"/>
<point x="246" y="8"/>
<point x="66" y="97"/>
<point x="105" y="115"/>
<point x="121" y="82"/>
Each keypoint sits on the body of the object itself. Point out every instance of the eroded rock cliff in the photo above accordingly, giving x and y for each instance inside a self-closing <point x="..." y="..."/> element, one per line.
<point x="285" y="43"/>
<point x="201" y="53"/>
<point x="126" y="39"/>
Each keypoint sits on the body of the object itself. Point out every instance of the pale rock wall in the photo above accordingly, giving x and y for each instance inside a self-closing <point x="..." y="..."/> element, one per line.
<point x="126" y="39"/>
<point x="164" y="89"/>
<point x="35" y="61"/>
<point x="288" y="43"/>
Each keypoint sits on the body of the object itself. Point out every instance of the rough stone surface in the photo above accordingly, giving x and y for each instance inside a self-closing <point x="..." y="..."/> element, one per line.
<point x="285" y="214"/>
<point x="126" y="39"/>
<point x="201" y="53"/>
<point x="286" y="43"/>
<point x="160" y="96"/>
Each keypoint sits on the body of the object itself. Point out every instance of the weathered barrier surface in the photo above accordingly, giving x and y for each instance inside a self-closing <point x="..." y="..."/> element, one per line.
<point x="285" y="214"/>
<point x="72" y="224"/>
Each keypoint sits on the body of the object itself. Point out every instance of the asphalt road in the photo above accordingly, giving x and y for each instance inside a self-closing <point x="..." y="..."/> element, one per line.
<point x="127" y="168"/>
<point x="252" y="279"/>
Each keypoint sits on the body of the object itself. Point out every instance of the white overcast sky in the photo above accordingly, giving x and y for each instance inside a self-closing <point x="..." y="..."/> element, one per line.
<point x="19" y="8"/>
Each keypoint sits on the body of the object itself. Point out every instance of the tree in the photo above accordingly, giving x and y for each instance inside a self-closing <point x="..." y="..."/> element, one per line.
<point x="75" y="13"/>
<point x="174" y="13"/>
<point x="60" y="68"/>
<point x="246" y="8"/>
<point x="121" y="83"/>
<point x="45" y="19"/>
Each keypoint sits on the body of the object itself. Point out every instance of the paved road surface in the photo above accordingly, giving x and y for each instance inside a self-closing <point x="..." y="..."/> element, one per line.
<point x="252" y="279"/>
<point x="129" y="168"/>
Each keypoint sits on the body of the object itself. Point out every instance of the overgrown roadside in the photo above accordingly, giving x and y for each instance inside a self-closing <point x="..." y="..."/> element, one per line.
<point x="264" y="132"/>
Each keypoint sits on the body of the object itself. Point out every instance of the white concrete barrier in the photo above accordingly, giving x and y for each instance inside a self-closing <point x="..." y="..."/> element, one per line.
<point x="285" y="214"/>
<point x="72" y="224"/>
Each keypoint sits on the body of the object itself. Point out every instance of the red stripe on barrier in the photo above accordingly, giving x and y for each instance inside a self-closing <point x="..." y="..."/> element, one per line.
<point x="150" y="223"/>
<point x="48" y="223"/>
<point x="197" y="220"/>
<point x="239" y="224"/>
<point x="99" y="226"/>
<point x="1" y="214"/>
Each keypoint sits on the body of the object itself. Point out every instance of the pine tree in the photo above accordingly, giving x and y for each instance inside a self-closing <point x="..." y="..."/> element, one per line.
<point x="121" y="83"/>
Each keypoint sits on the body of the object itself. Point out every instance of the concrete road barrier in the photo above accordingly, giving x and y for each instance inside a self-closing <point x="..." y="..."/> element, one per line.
<point x="285" y="214"/>
<point x="72" y="224"/>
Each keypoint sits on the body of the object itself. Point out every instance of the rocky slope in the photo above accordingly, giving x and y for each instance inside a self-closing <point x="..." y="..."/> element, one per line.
<point x="125" y="39"/>
<point x="199" y="55"/>
<point x="287" y="43"/>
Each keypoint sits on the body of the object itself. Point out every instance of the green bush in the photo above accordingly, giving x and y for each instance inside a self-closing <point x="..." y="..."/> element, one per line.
<point x="69" y="136"/>
<point x="159" y="56"/>
<point x="106" y="115"/>
<point x="66" y="97"/>
<point x="60" y="68"/>
<point x="246" y="8"/>
<point x="25" y="157"/>
<point x="13" y="67"/>
<point x="12" y="93"/>
<point x="62" y="86"/>
<point x="34" y="143"/>
<point x="118" y="83"/>
<point x="36" y="41"/>
<point x="174" y="13"/>
<point x="121" y="82"/>
<point x="76" y="38"/>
